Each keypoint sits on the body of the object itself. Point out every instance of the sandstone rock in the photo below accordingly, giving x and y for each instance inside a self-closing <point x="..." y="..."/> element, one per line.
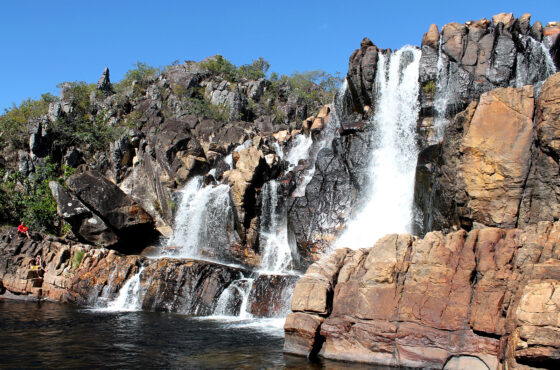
<point x="269" y="295"/>
<point x="540" y="201"/>
<point x="525" y="23"/>
<point x="431" y="38"/>
<point x="361" y="74"/>
<point x="454" y="40"/>
<point x="445" y="301"/>
<point x="536" y="31"/>
<point x="505" y="18"/>
<point x="85" y="224"/>
<point x="497" y="152"/>
<point x="187" y="286"/>
<point x="122" y="214"/>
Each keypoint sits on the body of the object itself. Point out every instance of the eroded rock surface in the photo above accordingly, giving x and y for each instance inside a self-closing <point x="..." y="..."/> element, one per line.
<point x="473" y="297"/>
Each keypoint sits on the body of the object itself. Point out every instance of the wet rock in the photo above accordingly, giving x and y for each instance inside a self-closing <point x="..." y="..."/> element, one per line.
<point x="270" y="295"/>
<point x="187" y="286"/>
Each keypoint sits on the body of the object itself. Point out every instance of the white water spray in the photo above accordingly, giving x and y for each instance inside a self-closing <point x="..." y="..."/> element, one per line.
<point x="128" y="299"/>
<point x="234" y="300"/>
<point x="535" y="64"/>
<point x="389" y="206"/>
<point x="203" y="220"/>
<point x="275" y="241"/>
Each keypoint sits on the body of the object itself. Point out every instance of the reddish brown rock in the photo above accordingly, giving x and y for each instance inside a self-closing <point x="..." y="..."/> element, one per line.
<point x="454" y="39"/>
<point x="431" y="38"/>
<point x="482" y="298"/>
<point x="497" y="155"/>
<point x="506" y="18"/>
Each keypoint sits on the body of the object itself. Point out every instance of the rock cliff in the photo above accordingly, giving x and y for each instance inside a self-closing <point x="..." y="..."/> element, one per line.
<point x="84" y="275"/>
<point x="480" y="299"/>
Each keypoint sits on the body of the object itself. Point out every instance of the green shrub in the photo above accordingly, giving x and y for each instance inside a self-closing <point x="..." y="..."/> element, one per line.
<point x="429" y="87"/>
<point x="77" y="258"/>
<point x="220" y="66"/>
<point x="142" y="74"/>
<point x="13" y="123"/>
<point x="29" y="199"/>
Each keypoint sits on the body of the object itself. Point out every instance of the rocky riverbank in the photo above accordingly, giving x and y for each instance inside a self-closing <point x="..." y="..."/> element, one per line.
<point x="482" y="299"/>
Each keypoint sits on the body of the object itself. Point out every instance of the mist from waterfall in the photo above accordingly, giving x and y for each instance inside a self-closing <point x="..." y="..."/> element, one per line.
<point x="389" y="204"/>
<point x="203" y="221"/>
<point x="276" y="244"/>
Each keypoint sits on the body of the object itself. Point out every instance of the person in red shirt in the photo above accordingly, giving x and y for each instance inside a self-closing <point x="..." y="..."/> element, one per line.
<point x="22" y="229"/>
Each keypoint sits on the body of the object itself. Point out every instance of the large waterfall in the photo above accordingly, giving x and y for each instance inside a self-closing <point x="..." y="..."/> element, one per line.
<point x="388" y="207"/>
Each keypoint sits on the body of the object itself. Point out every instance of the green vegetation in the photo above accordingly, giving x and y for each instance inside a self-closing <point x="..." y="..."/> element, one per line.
<point x="29" y="199"/>
<point x="92" y="126"/>
<point x="13" y="123"/>
<point x="220" y="66"/>
<point x="429" y="88"/>
<point x="198" y="105"/>
<point x="77" y="258"/>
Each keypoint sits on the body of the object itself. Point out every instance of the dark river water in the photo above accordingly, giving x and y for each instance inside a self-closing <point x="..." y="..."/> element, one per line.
<point x="49" y="335"/>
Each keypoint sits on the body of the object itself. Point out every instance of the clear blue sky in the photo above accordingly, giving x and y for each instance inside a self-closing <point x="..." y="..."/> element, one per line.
<point x="44" y="43"/>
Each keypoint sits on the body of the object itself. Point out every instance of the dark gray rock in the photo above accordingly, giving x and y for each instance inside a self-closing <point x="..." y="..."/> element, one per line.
<point x="129" y="221"/>
<point x="85" y="224"/>
<point x="104" y="82"/>
<point x="361" y="74"/>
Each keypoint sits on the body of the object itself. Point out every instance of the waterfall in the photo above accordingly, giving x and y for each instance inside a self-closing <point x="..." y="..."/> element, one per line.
<point x="203" y="221"/>
<point x="314" y="147"/>
<point x="443" y="94"/>
<point x="389" y="204"/>
<point x="234" y="300"/>
<point x="128" y="298"/>
<point x="534" y="65"/>
<point x="275" y="240"/>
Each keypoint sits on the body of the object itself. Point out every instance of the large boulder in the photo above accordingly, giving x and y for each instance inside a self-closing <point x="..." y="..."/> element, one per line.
<point x="120" y="214"/>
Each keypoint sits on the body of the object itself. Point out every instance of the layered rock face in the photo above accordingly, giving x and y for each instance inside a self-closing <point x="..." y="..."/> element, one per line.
<point x="83" y="275"/>
<point x="485" y="298"/>
<point x="102" y="214"/>
<point x="494" y="167"/>
<point x="459" y="65"/>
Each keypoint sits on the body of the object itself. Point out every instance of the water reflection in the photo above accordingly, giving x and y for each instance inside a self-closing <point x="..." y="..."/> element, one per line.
<point x="52" y="335"/>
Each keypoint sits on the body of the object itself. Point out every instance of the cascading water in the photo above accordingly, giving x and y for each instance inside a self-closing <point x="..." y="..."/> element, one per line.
<point x="203" y="221"/>
<point x="234" y="300"/>
<point x="534" y="65"/>
<point x="389" y="204"/>
<point x="275" y="240"/>
<point x="313" y="147"/>
<point x="128" y="298"/>
<point x="443" y="94"/>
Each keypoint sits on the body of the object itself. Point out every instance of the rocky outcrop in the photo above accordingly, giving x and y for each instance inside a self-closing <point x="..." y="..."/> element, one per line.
<point x="87" y="276"/>
<point x="99" y="212"/>
<point x="494" y="167"/>
<point x="467" y="297"/>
